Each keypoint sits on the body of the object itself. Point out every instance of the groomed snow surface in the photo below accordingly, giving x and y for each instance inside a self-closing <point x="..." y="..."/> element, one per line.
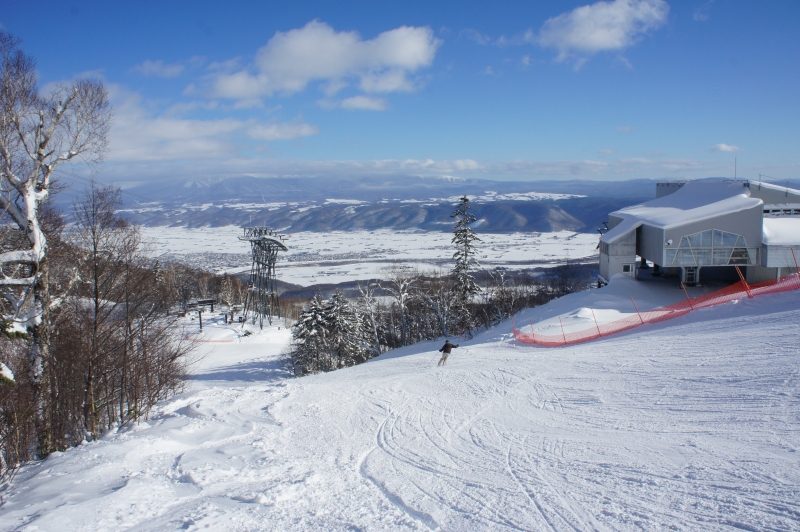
<point x="691" y="424"/>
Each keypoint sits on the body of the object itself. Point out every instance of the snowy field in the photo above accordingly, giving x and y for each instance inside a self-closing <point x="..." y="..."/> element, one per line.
<point x="347" y="256"/>
<point x="691" y="424"/>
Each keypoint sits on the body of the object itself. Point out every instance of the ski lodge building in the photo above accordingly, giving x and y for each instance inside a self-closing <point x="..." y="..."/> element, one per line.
<point x="703" y="229"/>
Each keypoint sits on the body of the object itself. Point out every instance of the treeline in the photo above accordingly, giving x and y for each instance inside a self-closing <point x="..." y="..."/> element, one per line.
<point x="112" y="349"/>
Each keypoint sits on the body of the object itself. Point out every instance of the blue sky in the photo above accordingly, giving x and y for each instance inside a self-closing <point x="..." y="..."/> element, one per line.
<point x="507" y="90"/>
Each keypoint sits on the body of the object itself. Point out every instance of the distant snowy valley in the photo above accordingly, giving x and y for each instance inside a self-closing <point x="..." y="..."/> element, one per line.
<point x="341" y="256"/>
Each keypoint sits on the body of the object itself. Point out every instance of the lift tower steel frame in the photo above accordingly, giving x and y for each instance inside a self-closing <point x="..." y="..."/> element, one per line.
<point x="262" y="294"/>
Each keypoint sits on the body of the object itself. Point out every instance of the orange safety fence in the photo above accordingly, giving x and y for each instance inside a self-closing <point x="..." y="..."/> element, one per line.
<point x="733" y="292"/>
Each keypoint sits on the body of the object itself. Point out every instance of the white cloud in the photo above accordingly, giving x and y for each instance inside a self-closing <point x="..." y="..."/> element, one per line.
<point x="140" y="136"/>
<point x="364" y="102"/>
<point x="197" y="61"/>
<point x="725" y="147"/>
<point x="316" y="52"/>
<point x="701" y="13"/>
<point x="158" y="69"/>
<point x="332" y="88"/>
<point x="467" y="164"/>
<point x="475" y="35"/>
<point x="183" y="108"/>
<point x="625" y="129"/>
<point x="601" y="27"/>
<point x="387" y="81"/>
<point x="606" y="151"/>
<point x="244" y="163"/>
<point x="624" y="60"/>
<point x="281" y="131"/>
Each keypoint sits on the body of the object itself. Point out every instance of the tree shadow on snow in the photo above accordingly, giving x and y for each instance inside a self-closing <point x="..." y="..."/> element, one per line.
<point x="263" y="371"/>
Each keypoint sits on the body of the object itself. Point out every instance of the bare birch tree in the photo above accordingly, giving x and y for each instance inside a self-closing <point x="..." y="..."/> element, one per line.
<point x="441" y="297"/>
<point x="401" y="284"/>
<point x="37" y="134"/>
<point x="370" y="308"/>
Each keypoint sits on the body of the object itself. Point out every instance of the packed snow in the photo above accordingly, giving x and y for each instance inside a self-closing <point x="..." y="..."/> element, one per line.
<point x="341" y="256"/>
<point x="623" y="297"/>
<point x="690" y="424"/>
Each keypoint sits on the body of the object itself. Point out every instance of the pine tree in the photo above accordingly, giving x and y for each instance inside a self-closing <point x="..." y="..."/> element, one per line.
<point x="464" y="238"/>
<point x="349" y="340"/>
<point x="310" y="336"/>
<point x="330" y="335"/>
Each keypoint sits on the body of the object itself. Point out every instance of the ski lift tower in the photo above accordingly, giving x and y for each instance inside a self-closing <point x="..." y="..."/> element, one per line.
<point x="262" y="294"/>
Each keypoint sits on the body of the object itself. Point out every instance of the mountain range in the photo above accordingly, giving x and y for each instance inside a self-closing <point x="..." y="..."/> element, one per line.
<point x="292" y="204"/>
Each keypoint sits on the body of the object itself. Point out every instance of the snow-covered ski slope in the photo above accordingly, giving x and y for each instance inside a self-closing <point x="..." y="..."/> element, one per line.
<point x="691" y="424"/>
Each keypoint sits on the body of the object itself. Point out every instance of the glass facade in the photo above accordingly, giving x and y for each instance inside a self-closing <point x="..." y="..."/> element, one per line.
<point x="712" y="248"/>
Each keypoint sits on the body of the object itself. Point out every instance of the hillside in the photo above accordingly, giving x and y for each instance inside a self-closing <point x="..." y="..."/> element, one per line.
<point x="689" y="424"/>
<point x="398" y="203"/>
<point x="370" y="203"/>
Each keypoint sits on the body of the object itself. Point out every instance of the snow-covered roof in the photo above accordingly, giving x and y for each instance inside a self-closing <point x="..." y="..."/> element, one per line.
<point x="789" y="192"/>
<point x="695" y="201"/>
<point x="781" y="231"/>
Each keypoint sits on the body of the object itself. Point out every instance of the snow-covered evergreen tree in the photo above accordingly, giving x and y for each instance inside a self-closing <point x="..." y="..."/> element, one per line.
<point x="330" y="335"/>
<point x="464" y="238"/>
<point x="310" y="338"/>
<point x="349" y="339"/>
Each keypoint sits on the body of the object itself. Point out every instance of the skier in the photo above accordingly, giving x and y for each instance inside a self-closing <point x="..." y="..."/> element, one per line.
<point x="445" y="351"/>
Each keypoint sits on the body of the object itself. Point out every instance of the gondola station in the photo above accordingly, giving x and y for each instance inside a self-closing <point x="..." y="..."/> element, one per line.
<point x="702" y="230"/>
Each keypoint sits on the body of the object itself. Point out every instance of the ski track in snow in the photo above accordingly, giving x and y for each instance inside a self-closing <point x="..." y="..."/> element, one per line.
<point x="692" y="424"/>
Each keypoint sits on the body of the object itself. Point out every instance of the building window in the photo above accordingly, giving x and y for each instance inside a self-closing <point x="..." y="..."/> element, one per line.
<point x="712" y="248"/>
<point x="626" y="268"/>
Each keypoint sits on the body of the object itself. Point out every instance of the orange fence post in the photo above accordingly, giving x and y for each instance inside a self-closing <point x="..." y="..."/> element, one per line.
<point x="796" y="269"/>
<point x="595" y="323"/>
<point x="562" y="330"/>
<point x="637" y="310"/>
<point x="687" y="295"/>
<point x="533" y="334"/>
<point x="746" y="286"/>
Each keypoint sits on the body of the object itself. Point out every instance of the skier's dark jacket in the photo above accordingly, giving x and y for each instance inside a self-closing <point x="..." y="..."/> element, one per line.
<point x="447" y="347"/>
